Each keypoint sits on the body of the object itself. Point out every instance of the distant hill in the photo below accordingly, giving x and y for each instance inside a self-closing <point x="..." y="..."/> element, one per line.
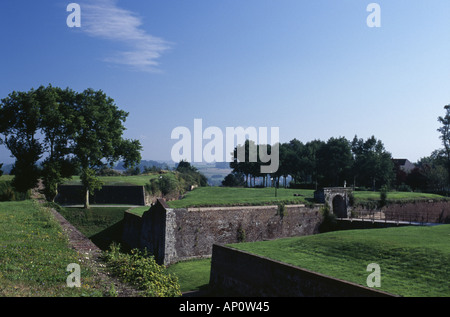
<point x="6" y="168"/>
<point x="147" y="163"/>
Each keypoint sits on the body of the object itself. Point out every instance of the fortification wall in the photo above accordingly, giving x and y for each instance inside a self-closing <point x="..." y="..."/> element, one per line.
<point x="179" y="234"/>
<point x="430" y="211"/>
<point x="235" y="273"/>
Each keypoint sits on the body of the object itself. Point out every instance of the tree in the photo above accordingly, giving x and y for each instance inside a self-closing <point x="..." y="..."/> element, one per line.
<point x="20" y="115"/>
<point x="75" y="129"/>
<point x="97" y="139"/>
<point x="334" y="161"/>
<point x="444" y="130"/>
<point x="373" y="166"/>
<point x="57" y="127"/>
<point x="234" y="180"/>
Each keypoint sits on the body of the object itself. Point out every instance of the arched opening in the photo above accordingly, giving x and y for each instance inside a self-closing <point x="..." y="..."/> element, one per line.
<point x="339" y="207"/>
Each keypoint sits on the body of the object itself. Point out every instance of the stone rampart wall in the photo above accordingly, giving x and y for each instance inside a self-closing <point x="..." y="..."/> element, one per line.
<point x="179" y="234"/>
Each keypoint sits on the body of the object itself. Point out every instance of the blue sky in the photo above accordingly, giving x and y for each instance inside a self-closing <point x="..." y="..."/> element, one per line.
<point x="312" y="68"/>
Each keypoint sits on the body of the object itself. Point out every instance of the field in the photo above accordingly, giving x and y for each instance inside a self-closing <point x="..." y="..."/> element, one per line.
<point x="34" y="255"/>
<point x="414" y="261"/>
<point x="226" y="196"/>
<point x="139" y="180"/>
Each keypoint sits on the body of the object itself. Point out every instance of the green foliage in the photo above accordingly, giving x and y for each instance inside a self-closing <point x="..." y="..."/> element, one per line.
<point x="79" y="130"/>
<point x="8" y="193"/>
<point x="383" y="196"/>
<point x="281" y="210"/>
<point x="190" y="175"/>
<point x="240" y="234"/>
<point x="328" y="219"/>
<point x="166" y="184"/>
<point x="234" y="179"/>
<point x="141" y="270"/>
<point x="373" y="166"/>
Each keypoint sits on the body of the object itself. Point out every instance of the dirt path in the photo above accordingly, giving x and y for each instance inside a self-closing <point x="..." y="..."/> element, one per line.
<point x="89" y="253"/>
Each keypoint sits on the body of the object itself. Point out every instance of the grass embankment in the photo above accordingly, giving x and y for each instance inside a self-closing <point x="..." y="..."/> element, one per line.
<point x="138" y="180"/>
<point x="414" y="261"/>
<point x="34" y="255"/>
<point x="362" y="197"/>
<point x="102" y="225"/>
<point x="226" y="196"/>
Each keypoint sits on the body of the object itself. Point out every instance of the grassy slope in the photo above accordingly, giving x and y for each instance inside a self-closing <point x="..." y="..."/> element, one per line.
<point x="102" y="225"/>
<point x="34" y="254"/>
<point x="413" y="260"/>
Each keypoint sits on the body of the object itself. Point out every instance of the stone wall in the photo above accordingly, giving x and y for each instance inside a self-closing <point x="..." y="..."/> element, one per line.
<point x="179" y="234"/>
<point x="236" y="273"/>
<point x="430" y="211"/>
<point x="126" y="195"/>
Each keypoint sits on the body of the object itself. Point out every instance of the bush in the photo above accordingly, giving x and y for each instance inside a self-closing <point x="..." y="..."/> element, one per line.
<point x="8" y="193"/>
<point x="328" y="220"/>
<point x="142" y="271"/>
<point x="383" y="196"/>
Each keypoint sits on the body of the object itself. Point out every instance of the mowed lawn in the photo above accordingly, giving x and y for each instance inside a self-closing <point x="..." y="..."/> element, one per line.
<point x="228" y="196"/>
<point x="414" y="261"/>
<point x="34" y="255"/>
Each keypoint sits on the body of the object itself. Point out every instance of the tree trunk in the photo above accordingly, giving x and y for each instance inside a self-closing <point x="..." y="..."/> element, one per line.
<point x="86" y="200"/>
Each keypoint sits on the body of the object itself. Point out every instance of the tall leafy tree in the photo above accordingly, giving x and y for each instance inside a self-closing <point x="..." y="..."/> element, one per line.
<point x="65" y="129"/>
<point x="334" y="161"/>
<point x="444" y="130"/>
<point x="97" y="139"/>
<point x="19" y="125"/>
<point x="373" y="166"/>
<point x="57" y="128"/>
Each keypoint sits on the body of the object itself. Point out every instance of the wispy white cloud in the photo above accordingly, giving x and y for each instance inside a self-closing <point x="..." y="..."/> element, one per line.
<point x="106" y="20"/>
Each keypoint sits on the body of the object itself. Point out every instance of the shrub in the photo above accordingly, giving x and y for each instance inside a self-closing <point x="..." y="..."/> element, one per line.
<point x="383" y="196"/>
<point x="328" y="219"/>
<point x="8" y="193"/>
<point x="141" y="270"/>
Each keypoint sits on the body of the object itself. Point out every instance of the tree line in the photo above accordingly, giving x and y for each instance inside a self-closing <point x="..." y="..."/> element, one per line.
<point x="68" y="132"/>
<point x="356" y="162"/>
<point x="338" y="161"/>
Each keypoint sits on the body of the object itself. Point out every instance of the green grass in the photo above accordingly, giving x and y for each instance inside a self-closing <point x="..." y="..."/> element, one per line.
<point x="139" y="210"/>
<point x="102" y="225"/>
<point x="192" y="275"/>
<point x="414" y="261"/>
<point x="138" y="180"/>
<point x="34" y="254"/>
<point x="362" y="196"/>
<point x="226" y="196"/>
